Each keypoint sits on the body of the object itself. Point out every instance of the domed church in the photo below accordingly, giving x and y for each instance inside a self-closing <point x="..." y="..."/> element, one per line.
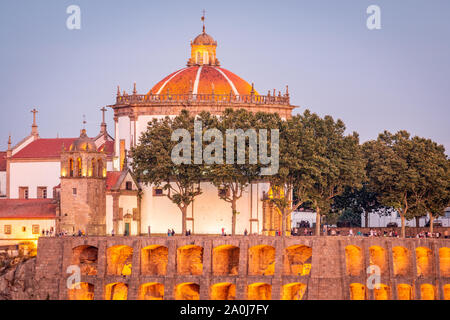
<point x="94" y="190"/>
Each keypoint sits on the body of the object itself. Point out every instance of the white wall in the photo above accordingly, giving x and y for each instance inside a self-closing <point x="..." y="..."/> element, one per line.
<point x="375" y="220"/>
<point x="17" y="235"/>
<point x="33" y="175"/>
<point x="210" y="212"/>
<point x="2" y="183"/>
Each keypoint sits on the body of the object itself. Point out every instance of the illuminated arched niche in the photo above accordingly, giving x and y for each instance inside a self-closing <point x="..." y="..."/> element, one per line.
<point x="446" y="290"/>
<point x="297" y="260"/>
<point x="404" y="292"/>
<point x="190" y="260"/>
<point x="401" y="260"/>
<point x="382" y="293"/>
<point x="119" y="260"/>
<point x="261" y="260"/>
<point x="223" y="291"/>
<point x="225" y="260"/>
<point x="154" y="259"/>
<point x="444" y="262"/>
<point x="427" y="292"/>
<point x="187" y="291"/>
<point x="354" y="260"/>
<point x="378" y="257"/>
<point x="85" y="257"/>
<point x="293" y="291"/>
<point x="84" y="292"/>
<point x="259" y="291"/>
<point x="151" y="291"/>
<point x="358" y="291"/>
<point x="424" y="258"/>
<point x="116" y="291"/>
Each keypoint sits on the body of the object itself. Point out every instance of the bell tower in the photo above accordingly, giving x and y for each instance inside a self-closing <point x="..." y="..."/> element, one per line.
<point x="83" y="188"/>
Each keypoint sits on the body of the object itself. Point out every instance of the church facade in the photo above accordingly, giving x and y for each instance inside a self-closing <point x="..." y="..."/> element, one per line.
<point x="88" y="179"/>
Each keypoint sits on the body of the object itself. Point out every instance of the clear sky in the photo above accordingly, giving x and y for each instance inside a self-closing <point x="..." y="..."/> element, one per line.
<point x="393" y="78"/>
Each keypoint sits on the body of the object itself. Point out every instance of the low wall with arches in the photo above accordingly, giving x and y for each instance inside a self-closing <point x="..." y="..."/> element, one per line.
<point x="243" y="267"/>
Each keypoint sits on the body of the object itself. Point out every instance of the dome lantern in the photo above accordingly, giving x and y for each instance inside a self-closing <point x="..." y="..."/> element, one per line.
<point x="203" y="49"/>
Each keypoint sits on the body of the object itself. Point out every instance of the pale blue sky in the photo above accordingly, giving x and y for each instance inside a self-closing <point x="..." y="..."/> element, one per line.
<point x="393" y="78"/>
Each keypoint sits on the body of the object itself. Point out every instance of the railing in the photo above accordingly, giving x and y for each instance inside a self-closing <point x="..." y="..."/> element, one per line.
<point x="201" y="98"/>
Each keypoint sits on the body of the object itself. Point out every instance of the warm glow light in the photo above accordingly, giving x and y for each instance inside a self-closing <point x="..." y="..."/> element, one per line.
<point x="190" y="260"/>
<point x="357" y="291"/>
<point x="261" y="260"/>
<point x="427" y="292"/>
<point x="63" y="172"/>
<point x="444" y="261"/>
<point x="187" y="291"/>
<point x="354" y="260"/>
<point x="293" y="291"/>
<point x="423" y="261"/>
<point x="223" y="291"/>
<point x="85" y="292"/>
<point x="382" y="293"/>
<point x="151" y="291"/>
<point x="401" y="260"/>
<point x="404" y="292"/>
<point x="116" y="291"/>
<point x="259" y="291"/>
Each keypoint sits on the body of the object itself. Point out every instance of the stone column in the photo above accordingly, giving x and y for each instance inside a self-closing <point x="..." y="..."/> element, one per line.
<point x="116" y="218"/>
<point x="241" y="281"/>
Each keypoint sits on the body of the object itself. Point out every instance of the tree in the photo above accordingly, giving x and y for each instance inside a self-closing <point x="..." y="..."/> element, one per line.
<point x="233" y="179"/>
<point x="360" y="201"/>
<point x="431" y="193"/>
<point x="337" y="162"/>
<point x="296" y="147"/>
<point x="404" y="171"/>
<point x="153" y="163"/>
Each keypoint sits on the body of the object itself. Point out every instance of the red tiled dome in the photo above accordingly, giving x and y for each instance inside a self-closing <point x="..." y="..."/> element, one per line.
<point x="201" y="80"/>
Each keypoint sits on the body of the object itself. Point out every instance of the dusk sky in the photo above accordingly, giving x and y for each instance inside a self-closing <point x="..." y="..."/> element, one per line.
<point x="374" y="80"/>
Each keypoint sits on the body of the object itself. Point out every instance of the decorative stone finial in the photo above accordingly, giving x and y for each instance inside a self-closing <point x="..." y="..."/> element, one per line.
<point x="9" y="142"/>
<point x="118" y="91"/>
<point x="134" y="89"/>
<point x="34" y="127"/>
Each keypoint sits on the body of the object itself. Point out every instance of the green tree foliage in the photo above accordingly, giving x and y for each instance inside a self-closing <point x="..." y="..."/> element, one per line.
<point x="359" y="201"/>
<point x="153" y="165"/>
<point x="404" y="171"/>
<point x="233" y="179"/>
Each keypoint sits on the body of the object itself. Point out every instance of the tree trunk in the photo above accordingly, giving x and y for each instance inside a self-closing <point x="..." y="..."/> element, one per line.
<point x="183" y="221"/>
<point x="283" y="223"/>
<point x="366" y="218"/>
<point x="317" y="222"/>
<point x="417" y="222"/>
<point x="233" y="217"/>
<point x="431" y="222"/>
<point x="402" y="218"/>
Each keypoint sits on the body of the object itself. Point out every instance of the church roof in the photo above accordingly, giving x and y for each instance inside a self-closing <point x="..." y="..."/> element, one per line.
<point x="27" y="209"/>
<point x="51" y="148"/>
<point x="3" y="161"/>
<point x="44" y="148"/>
<point x="107" y="147"/>
<point x="111" y="179"/>
<point x="202" y="81"/>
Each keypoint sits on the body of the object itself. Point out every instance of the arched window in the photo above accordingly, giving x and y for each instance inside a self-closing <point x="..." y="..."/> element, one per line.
<point x="100" y="168"/>
<point x="93" y="172"/>
<point x="79" y="164"/>
<point x="71" y="167"/>
<point x="205" y="57"/>
<point x="199" y="57"/>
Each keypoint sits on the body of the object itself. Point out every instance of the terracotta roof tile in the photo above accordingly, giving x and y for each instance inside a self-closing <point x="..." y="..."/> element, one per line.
<point x="44" y="148"/>
<point x="28" y="209"/>
<point x="111" y="178"/>
<point x="107" y="147"/>
<point x="51" y="148"/>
